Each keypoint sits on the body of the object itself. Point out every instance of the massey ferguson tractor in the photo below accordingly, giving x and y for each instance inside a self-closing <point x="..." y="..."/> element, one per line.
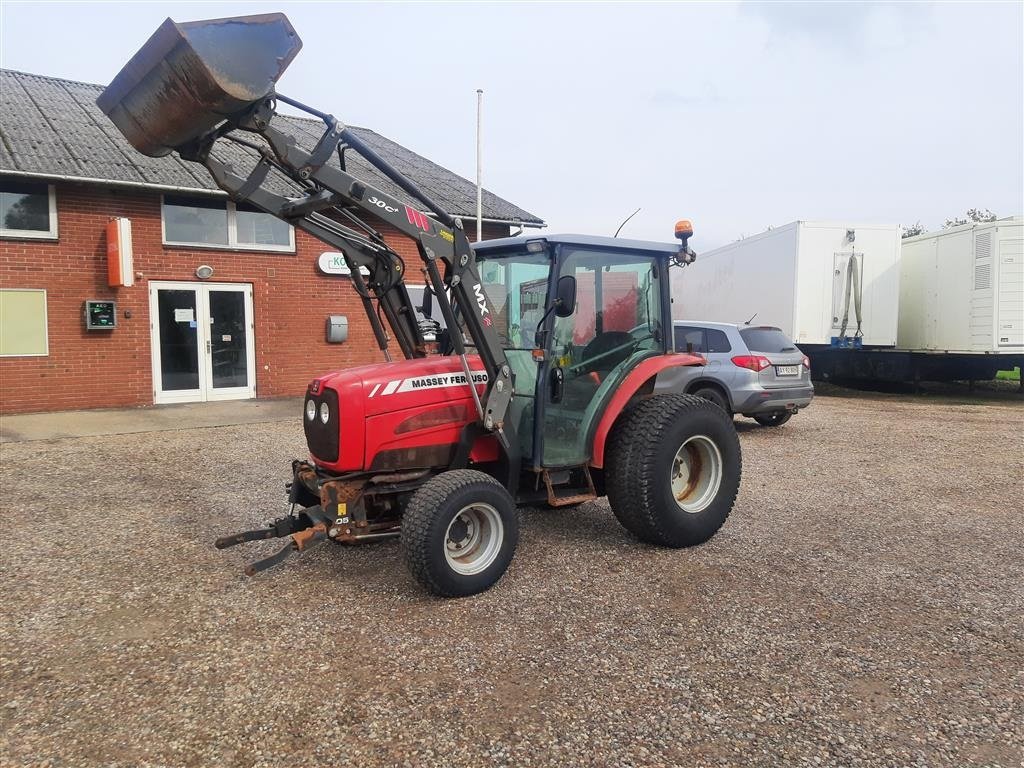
<point x="529" y="367"/>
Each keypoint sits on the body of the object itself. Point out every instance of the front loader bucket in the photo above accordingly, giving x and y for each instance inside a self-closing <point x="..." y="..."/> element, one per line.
<point x="189" y="77"/>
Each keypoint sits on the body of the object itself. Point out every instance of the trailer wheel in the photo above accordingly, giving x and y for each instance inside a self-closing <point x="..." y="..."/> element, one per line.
<point x="776" y="419"/>
<point x="674" y="469"/>
<point x="459" y="532"/>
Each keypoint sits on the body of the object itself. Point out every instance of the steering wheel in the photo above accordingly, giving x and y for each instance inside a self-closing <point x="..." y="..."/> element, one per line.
<point x="622" y="343"/>
<point x="619" y="344"/>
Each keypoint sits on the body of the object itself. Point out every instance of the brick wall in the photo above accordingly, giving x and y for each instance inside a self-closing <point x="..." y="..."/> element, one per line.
<point x="94" y="369"/>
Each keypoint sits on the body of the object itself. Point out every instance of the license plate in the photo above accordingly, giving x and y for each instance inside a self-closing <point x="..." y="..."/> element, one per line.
<point x="787" y="370"/>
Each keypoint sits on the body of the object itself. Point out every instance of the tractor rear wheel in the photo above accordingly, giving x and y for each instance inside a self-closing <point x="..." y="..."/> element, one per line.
<point x="459" y="532"/>
<point x="674" y="469"/>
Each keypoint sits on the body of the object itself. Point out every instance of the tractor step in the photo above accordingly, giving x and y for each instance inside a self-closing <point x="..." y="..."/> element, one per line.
<point x="554" y="500"/>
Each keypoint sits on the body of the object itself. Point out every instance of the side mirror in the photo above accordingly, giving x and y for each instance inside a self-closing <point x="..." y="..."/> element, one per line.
<point x="565" y="296"/>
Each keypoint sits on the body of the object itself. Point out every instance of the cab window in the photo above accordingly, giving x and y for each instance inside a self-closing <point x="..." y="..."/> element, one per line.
<point x="616" y="308"/>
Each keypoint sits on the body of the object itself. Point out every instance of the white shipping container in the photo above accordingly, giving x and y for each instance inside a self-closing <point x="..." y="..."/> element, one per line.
<point x="799" y="277"/>
<point x="962" y="289"/>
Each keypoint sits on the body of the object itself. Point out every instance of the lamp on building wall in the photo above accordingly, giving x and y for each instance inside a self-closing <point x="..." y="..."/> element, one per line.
<point x="204" y="272"/>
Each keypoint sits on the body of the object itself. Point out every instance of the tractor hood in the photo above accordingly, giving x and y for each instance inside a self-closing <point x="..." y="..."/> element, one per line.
<point x="360" y="413"/>
<point x="388" y="387"/>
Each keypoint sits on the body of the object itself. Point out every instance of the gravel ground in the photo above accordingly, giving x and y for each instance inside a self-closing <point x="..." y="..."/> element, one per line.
<point x="862" y="606"/>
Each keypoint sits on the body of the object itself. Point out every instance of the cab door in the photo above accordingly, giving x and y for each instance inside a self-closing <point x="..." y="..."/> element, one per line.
<point x="617" y="321"/>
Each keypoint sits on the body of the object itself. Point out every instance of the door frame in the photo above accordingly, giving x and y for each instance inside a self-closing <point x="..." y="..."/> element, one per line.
<point x="206" y="392"/>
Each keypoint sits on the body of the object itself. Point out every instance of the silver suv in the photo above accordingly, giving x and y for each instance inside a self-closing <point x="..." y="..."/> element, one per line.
<point x="753" y="370"/>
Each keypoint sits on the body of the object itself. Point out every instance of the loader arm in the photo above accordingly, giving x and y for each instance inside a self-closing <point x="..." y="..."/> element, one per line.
<point x="195" y="84"/>
<point x="442" y="240"/>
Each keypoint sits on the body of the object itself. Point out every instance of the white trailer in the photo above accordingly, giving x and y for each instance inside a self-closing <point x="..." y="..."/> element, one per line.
<point x="825" y="284"/>
<point x="962" y="290"/>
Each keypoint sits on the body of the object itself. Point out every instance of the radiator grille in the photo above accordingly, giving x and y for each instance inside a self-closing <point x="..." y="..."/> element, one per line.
<point x="982" y="276"/>
<point x="321" y="438"/>
<point x="983" y="245"/>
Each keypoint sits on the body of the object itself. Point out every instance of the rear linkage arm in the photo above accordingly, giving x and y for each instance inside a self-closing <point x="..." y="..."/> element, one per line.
<point x="441" y="240"/>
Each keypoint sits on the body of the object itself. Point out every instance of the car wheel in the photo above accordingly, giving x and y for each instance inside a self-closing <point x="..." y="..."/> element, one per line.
<point x="459" y="532"/>
<point x="776" y="419"/>
<point x="715" y="397"/>
<point x="674" y="470"/>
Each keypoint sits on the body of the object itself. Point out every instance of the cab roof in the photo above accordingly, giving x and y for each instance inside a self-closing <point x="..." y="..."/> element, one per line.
<point x="586" y="241"/>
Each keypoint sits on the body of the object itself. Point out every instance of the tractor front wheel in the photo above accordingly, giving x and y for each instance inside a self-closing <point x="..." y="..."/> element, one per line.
<point x="674" y="469"/>
<point x="459" y="532"/>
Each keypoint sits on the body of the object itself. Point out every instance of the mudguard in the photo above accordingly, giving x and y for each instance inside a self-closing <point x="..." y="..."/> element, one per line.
<point x="630" y="386"/>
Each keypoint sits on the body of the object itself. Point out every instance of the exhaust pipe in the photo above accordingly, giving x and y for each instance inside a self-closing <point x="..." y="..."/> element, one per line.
<point x="190" y="77"/>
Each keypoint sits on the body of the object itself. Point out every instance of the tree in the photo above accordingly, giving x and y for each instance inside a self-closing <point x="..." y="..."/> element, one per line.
<point x="974" y="216"/>
<point x="913" y="230"/>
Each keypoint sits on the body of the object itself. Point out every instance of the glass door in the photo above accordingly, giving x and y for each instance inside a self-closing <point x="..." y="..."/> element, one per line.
<point x="230" y="373"/>
<point x="175" y="312"/>
<point x="202" y="342"/>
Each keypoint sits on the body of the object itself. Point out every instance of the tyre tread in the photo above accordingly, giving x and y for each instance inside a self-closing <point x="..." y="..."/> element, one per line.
<point x="420" y="513"/>
<point x="632" y="485"/>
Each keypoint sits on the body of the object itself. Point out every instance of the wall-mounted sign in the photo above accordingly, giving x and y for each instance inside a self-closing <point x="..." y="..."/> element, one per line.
<point x="120" y="260"/>
<point x="23" y="322"/>
<point x="100" y="315"/>
<point x="332" y="263"/>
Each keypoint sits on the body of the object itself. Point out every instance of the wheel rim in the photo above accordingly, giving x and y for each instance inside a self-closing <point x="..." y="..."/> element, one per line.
<point x="696" y="474"/>
<point x="473" y="539"/>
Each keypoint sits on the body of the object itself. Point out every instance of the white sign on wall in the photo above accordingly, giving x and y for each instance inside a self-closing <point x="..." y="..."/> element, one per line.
<point x="332" y="263"/>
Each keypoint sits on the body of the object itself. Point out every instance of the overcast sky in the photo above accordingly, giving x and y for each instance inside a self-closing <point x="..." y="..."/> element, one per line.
<point x="737" y="116"/>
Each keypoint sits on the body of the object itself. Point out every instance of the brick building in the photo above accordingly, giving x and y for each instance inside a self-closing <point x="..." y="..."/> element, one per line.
<point x="253" y="327"/>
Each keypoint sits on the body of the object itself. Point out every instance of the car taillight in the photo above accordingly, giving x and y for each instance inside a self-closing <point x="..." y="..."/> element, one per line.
<point x="755" y="363"/>
<point x="807" y="362"/>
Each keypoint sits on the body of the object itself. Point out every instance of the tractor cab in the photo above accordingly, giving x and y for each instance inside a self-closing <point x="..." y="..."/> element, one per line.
<point x="575" y="314"/>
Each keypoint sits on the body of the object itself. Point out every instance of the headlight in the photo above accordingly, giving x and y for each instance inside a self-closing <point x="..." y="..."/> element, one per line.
<point x="310" y="410"/>
<point x="325" y="413"/>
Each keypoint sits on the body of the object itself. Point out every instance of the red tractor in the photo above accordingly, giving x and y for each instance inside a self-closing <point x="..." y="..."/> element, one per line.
<point x="530" y="363"/>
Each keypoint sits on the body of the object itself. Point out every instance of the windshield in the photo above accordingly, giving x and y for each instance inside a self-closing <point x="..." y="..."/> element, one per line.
<point x="516" y="283"/>
<point x="616" y="298"/>
<point x="767" y="340"/>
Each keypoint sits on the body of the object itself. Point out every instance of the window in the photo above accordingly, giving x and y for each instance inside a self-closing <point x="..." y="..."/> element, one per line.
<point x="717" y="341"/>
<point x="616" y="299"/>
<point x="27" y="209"/>
<point x="516" y="284"/>
<point x="766" y="339"/>
<point x="689" y="339"/>
<point x="23" y="322"/>
<point x="211" y="223"/>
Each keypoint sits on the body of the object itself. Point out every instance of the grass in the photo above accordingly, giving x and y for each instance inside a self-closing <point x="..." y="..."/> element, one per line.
<point x="1013" y="375"/>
